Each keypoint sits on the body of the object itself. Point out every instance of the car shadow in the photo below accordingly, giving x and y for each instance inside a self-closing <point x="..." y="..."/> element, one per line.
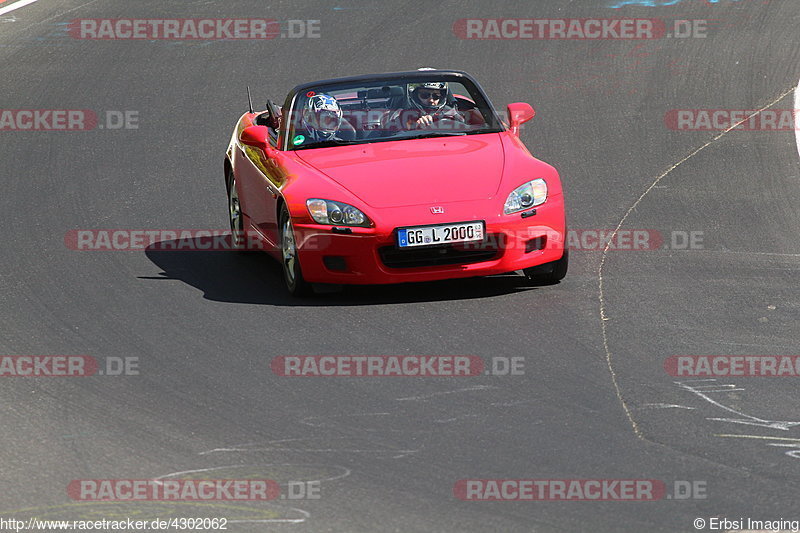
<point x="256" y="278"/>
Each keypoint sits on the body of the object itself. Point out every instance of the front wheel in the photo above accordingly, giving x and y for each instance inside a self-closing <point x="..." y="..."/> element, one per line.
<point x="235" y="215"/>
<point x="292" y="274"/>
<point x="548" y="273"/>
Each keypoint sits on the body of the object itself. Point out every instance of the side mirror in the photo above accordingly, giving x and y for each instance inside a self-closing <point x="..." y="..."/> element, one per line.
<point x="274" y="115"/>
<point x="270" y="118"/>
<point x="256" y="136"/>
<point x="274" y="122"/>
<point x="519" y="113"/>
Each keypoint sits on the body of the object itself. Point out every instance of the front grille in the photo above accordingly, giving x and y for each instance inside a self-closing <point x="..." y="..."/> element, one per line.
<point x="451" y="254"/>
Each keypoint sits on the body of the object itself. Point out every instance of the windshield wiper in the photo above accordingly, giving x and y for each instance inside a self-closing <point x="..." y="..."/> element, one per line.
<point x="483" y="130"/>
<point x="329" y="142"/>
<point x="431" y="134"/>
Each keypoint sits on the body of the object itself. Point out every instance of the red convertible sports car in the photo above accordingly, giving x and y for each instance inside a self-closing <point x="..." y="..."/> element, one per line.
<point x="392" y="178"/>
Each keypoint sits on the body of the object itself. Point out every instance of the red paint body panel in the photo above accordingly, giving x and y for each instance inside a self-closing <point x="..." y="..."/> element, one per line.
<point x="413" y="172"/>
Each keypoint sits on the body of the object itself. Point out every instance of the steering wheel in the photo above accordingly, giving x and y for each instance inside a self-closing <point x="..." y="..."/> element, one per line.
<point x="442" y="122"/>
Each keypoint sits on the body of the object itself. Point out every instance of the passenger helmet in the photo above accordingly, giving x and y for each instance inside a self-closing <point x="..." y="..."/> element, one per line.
<point x="322" y="114"/>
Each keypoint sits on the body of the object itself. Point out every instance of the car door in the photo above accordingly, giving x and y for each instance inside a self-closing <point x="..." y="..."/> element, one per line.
<point x="260" y="178"/>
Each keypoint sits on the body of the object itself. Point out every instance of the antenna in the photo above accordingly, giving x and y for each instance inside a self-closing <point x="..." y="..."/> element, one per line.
<point x="249" y="100"/>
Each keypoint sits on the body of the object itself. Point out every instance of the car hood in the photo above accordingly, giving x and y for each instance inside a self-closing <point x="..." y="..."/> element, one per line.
<point x="415" y="171"/>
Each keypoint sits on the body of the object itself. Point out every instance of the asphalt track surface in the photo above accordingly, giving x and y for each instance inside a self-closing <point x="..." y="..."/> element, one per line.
<point x="594" y="402"/>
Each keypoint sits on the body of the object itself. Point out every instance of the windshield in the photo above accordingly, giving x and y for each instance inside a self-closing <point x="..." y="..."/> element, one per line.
<point x="388" y="110"/>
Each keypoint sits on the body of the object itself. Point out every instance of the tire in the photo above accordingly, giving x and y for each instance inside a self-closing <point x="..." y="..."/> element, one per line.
<point x="548" y="273"/>
<point x="235" y="216"/>
<point x="290" y="265"/>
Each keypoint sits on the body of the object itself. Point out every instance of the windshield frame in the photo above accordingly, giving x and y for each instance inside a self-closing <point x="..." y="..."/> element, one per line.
<point x="494" y="123"/>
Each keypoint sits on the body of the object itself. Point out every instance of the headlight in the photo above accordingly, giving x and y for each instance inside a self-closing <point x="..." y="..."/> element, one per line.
<point x="526" y="196"/>
<point x="336" y="213"/>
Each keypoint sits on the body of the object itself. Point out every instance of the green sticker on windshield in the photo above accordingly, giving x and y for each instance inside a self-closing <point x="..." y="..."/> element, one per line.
<point x="298" y="140"/>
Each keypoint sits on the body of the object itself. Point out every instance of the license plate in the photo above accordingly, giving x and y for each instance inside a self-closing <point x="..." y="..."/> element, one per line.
<point x="441" y="234"/>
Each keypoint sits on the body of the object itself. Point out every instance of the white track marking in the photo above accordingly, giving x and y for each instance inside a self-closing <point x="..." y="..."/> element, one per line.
<point x="15" y="5"/>
<point x="269" y="446"/>
<point x="326" y="421"/>
<point x="760" y="437"/>
<point x="346" y="470"/>
<point x="435" y="394"/>
<point x="306" y="515"/>
<point x="768" y="254"/>
<point x="665" y="406"/>
<point x="455" y="419"/>
<point x="601" y="295"/>
<point x="713" y="386"/>
<point x="797" y="116"/>
<point x="511" y="404"/>
<point x="276" y="520"/>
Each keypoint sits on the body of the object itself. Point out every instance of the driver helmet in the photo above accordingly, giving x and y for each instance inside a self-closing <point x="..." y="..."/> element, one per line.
<point x="322" y="114"/>
<point x="425" y="105"/>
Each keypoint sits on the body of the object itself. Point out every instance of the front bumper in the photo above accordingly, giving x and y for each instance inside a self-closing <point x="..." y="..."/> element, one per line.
<point x="369" y="255"/>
